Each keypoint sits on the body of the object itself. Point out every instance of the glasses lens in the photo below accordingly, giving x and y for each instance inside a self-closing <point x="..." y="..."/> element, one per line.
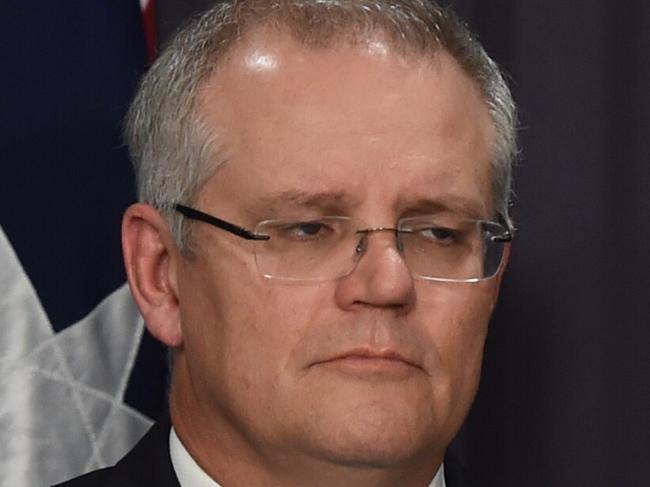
<point x="448" y="248"/>
<point x="317" y="249"/>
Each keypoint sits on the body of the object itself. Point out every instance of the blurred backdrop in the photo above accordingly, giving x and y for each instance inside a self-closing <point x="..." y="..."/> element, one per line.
<point x="565" y="393"/>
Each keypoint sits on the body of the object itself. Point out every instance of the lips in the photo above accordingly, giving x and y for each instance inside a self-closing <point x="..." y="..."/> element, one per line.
<point x="370" y="357"/>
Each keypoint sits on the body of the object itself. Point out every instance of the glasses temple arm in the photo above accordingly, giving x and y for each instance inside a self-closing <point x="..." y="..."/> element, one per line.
<point x="193" y="214"/>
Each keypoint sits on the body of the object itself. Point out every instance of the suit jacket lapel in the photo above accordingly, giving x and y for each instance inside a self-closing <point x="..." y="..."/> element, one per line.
<point x="455" y="474"/>
<point x="149" y="462"/>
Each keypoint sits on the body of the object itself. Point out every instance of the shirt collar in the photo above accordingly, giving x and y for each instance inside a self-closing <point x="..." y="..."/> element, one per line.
<point x="190" y="474"/>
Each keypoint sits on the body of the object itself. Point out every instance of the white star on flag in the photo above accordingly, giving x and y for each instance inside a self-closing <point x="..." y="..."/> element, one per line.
<point x="62" y="411"/>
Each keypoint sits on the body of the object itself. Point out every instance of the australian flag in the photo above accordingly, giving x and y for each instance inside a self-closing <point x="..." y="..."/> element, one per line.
<point x="80" y="381"/>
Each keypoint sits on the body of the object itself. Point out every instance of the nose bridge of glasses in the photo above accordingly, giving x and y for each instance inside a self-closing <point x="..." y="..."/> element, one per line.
<point x="362" y="245"/>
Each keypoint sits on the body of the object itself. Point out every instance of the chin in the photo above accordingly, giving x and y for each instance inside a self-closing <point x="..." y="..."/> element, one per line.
<point x="384" y="452"/>
<point x="378" y="435"/>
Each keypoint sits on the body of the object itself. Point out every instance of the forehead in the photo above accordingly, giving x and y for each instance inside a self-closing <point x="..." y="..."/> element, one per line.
<point x="349" y="119"/>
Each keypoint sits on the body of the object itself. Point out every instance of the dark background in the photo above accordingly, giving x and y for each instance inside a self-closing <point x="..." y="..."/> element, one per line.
<point x="565" y="393"/>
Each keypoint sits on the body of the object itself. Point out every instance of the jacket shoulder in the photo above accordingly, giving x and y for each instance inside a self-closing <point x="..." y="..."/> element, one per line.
<point x="97" y="478"/>
<point x="148" y="463"/>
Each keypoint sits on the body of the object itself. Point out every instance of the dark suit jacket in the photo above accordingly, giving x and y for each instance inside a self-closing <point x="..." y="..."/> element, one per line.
<point x="149" y="464"/>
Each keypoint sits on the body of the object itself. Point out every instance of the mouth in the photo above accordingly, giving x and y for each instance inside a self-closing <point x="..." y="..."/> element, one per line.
<point x="363" y="361"/>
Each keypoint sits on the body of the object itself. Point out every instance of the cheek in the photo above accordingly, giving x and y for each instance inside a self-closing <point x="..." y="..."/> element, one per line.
<point x="459" y="312"/>
<point x="260" y="352"/>
<point x="249" y="330"/>
<point x="278" y="318"/>
<point x="458" y="324"/>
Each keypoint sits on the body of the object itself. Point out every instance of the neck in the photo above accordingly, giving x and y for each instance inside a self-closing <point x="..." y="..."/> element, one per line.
<point x="231" y="457"/>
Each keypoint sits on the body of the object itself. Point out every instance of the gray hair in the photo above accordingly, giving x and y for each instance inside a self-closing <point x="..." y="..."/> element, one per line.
<point x="174" y="151"/>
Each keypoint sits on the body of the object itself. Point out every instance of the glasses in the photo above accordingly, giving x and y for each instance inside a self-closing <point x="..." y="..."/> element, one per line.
<point x="434" y="247"/>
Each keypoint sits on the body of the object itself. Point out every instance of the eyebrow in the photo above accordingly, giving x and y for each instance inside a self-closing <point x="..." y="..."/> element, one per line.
<point x="326" y="200"/>
<point x="451" y="204"/>
<point x="340" y="201"/>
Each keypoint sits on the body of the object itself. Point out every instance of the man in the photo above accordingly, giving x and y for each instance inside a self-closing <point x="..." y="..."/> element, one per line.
<point x="321" y="235"/>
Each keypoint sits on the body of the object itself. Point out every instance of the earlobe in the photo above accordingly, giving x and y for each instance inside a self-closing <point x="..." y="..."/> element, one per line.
<point x="151" y="257"/>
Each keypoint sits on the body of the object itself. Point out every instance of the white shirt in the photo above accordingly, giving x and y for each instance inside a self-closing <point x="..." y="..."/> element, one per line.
<point x="191" y="475"/>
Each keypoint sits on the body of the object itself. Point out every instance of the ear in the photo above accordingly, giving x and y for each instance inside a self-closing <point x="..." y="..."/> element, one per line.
<point x="151" y="258"/>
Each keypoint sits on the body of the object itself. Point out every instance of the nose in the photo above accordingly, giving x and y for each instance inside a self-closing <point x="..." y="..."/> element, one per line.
<point x="380" y="279"/>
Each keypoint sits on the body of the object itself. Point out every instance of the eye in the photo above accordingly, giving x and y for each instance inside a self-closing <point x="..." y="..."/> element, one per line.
<point x="308" y="228"/>
<point x="311" y="230"/>
<point x="440" y="234"/>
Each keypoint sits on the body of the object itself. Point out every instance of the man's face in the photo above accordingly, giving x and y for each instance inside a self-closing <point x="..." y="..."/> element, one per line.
<point x="375" y="367"/>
